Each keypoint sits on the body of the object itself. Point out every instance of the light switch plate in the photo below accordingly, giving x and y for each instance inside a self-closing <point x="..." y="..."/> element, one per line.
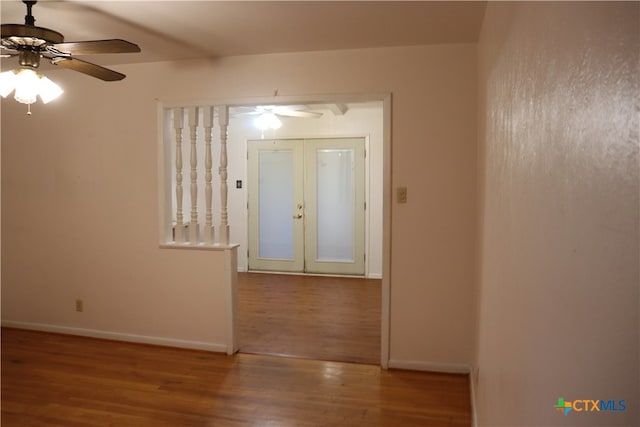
<point x="402" y="194"/>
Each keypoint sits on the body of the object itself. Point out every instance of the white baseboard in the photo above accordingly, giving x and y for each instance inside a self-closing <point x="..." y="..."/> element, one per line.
<point x="294" y="273"/>
<point x="117" y="336"/>
<point x="415" y="365"/>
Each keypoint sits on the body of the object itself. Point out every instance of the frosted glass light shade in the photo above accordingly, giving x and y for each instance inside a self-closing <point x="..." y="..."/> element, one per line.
<point x="27" y="86"/>
<point x="7" y="83"/>
<point x="49" y="90"/>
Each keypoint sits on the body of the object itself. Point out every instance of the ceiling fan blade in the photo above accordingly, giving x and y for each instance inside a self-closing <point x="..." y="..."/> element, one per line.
<point x="249" y="113"/>
<point x="6" y="52"/>
<point x="288" y="107"/>
<point x="92" y="47"/>
<point x="293" y="113"/>
<point x="88" y="68"/>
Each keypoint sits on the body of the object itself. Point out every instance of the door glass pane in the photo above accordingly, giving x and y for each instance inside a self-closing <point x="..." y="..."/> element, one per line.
<point x="335" y="210"/>
<point x="275" y="199"/>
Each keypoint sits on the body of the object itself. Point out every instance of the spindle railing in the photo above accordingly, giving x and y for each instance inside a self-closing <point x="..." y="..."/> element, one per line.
<point x="200" y="122"/>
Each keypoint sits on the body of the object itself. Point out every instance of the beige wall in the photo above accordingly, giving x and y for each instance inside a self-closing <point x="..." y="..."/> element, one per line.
<point x="79" y="196"/>
<point x="558" y="292"/>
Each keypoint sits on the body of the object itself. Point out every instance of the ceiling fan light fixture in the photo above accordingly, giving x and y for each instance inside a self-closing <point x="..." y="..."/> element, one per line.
<point x="28" y="84"/>
<point x="31" y="43"/>
<point x="267" y="120"/>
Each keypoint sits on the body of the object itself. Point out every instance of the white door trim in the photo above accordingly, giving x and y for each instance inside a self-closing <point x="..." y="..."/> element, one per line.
<point x="386" y="233"/>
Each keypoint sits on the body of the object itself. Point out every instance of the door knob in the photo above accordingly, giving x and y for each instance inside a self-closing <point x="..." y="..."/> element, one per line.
<point x="298" y="216"/>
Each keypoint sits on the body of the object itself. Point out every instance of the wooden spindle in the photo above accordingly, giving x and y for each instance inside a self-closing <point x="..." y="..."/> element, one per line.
<point x="194" y="228"/>
<point x="178" y="120"/>
<point x="223" y="121"/>
<point x="207" y="119"/>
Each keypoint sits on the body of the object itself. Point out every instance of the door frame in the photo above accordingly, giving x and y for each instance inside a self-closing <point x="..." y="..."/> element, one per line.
<point x="386" y="99"/>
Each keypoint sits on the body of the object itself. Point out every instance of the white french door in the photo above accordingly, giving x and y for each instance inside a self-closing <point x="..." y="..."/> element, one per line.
<point x="334" y="205"/>
<point x="276" y="205"/>
<point x="307" y="205"/>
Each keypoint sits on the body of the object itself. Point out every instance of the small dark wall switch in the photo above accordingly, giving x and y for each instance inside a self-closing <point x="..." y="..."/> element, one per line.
<point x="239" y="183"/>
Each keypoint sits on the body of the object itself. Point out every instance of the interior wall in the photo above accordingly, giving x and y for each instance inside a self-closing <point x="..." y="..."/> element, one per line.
<point x="558" y="293"/>
<point x="80" y="195"/>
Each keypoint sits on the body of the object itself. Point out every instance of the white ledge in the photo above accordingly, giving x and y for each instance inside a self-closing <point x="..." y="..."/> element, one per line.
<point x="199" y="246"/>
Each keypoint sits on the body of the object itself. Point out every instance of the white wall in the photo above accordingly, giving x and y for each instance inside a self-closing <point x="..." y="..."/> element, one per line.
<point x="558" y="294"/>
<point x="79" y="195"/>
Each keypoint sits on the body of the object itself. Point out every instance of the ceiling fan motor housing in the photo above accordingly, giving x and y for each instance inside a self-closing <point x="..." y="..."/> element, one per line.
<point x="29" y="41"/>
<point x="29" y="58"/>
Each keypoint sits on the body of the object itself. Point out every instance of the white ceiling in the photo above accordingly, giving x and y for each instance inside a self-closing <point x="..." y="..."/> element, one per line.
<point x="172" y="30"/>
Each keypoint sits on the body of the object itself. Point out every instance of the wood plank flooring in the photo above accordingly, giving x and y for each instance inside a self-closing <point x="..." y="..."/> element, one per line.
<point x="326" y="318"/>
<point x="58" y="380"/>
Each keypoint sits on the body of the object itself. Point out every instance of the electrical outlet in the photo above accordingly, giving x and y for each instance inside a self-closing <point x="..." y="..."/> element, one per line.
<point x="402" y="194"/>
<point x="79" y="306"/>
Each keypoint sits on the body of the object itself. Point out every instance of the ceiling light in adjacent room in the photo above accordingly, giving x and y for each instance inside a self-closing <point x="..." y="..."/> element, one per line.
<point x="267" y="120"/>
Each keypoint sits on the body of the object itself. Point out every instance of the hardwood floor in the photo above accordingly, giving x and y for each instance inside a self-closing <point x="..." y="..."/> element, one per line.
<point x="326" y="318"/>
<point x="58" y="380"/>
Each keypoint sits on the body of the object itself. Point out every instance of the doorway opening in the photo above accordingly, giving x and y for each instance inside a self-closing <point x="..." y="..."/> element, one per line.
<point x="334" y="313"/>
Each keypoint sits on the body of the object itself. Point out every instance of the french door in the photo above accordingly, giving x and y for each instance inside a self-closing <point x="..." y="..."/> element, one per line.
<point x="307" y="205"/>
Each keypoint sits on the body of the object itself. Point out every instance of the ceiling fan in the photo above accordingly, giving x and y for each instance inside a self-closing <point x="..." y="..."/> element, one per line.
<point x="279" y="110"/>
<point x="30" y="43"/>
<point x="268" y="114"/>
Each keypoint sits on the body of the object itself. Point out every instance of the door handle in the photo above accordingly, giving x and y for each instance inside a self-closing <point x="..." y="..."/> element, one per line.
<point x="298" y="216"/>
